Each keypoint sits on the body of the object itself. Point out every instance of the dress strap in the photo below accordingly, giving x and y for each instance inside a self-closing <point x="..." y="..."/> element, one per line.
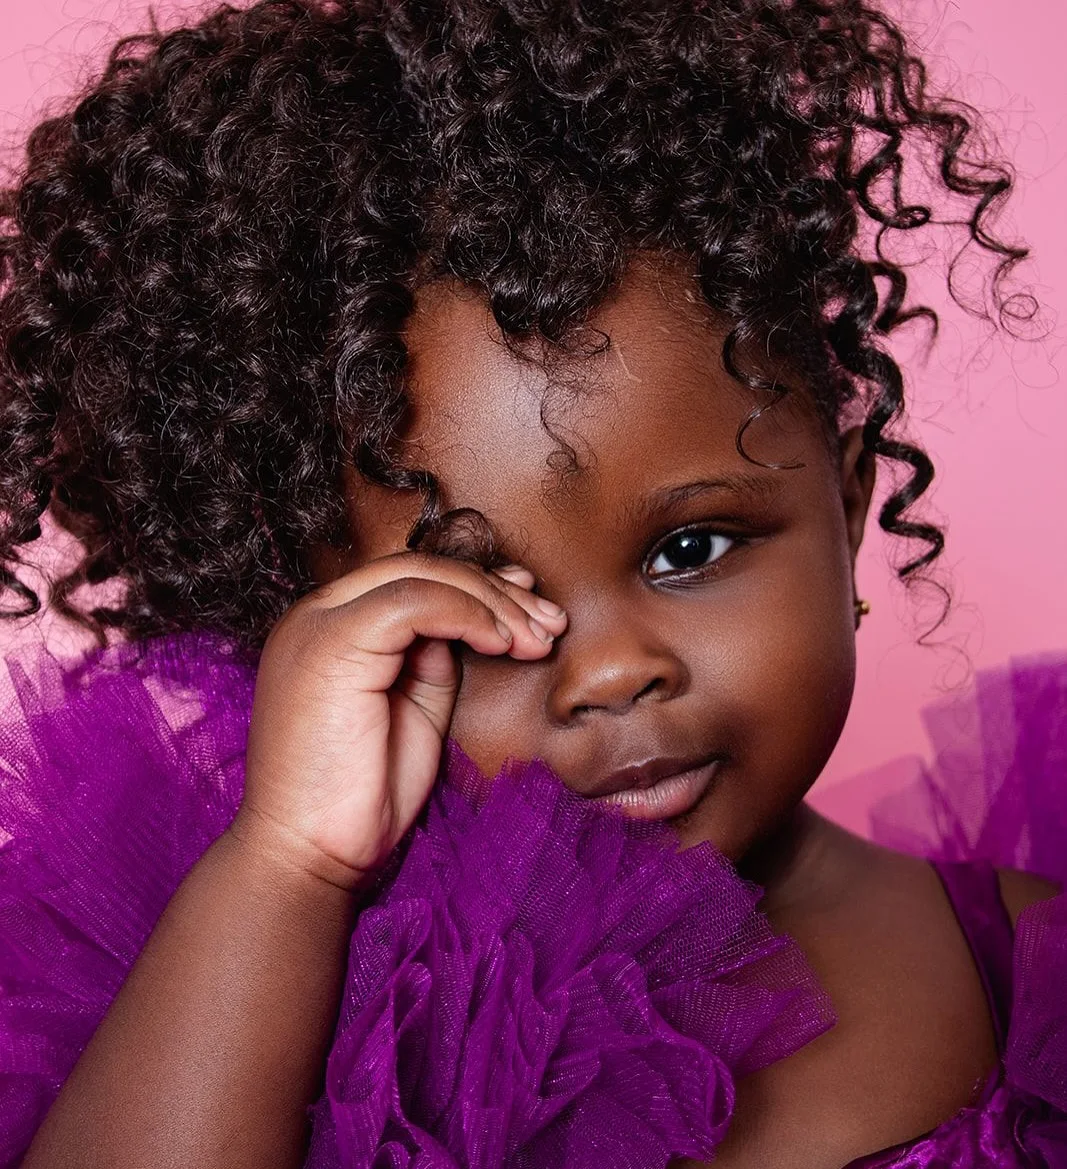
<point x="973" y="890"/>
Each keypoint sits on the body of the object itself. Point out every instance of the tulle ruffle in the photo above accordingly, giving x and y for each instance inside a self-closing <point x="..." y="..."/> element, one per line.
<point x="996" y="788"/>
<point x="539" y="982"/>
<point x="545" y="984"/>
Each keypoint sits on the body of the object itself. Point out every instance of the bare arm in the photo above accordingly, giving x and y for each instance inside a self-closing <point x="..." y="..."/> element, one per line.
<point x="217" y="1041"/>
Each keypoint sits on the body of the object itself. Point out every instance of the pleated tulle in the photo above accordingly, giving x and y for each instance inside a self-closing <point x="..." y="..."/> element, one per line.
<point x="547" y="984"/>
<point x="114" y="778"/>
<point x="996" y="788"/>
<point x="539" y="982"/>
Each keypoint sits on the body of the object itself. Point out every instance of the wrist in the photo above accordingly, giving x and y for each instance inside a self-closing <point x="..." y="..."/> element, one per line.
<point x="267" y="842"/>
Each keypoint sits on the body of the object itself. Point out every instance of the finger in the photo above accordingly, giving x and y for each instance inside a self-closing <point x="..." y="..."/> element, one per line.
<point x="548" y="620"/>
<point x="523" y="577"/>
<point x="517" y="583"/>
<point x="372" y="632"/>
<point x="380" y="571"/>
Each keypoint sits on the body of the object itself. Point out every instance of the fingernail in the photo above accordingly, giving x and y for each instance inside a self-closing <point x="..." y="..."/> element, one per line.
<point x="504" y="631"/>
<point x="549" y="608"/>
<point x="514" y="570"/>
<point x="539" y="629"/>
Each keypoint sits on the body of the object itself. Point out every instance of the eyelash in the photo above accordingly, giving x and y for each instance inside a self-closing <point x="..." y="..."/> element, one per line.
<point x="685" y="573"/>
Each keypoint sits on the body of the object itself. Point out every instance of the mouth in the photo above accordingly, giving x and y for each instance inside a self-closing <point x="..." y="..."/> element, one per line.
<point x="655" y="792"/>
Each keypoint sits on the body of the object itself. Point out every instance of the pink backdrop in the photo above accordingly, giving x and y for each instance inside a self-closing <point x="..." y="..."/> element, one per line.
<point x="992" y="412"/>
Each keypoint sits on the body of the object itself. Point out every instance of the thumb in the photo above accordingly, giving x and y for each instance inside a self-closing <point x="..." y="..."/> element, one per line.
<point x="430" y="679"/>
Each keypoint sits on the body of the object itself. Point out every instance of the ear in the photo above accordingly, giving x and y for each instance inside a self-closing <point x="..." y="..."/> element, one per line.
<point x="857" y="484"/>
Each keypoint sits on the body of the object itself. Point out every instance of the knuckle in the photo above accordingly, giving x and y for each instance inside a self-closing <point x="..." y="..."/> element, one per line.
<point x="295" y="625"/>
<point x="300" y="634"/>
<point x="406" y="598"/>
<point x="315" y="598"/>
<point x="401" y="592"/>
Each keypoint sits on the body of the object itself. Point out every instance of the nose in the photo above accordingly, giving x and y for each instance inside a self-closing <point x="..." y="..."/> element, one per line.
<point x="610" y="670"/>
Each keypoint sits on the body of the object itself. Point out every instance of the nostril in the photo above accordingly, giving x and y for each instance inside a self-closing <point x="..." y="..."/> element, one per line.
<point x="651" y="686"/>
<point x="587" y="707"/>
<point x="610" y="676"/>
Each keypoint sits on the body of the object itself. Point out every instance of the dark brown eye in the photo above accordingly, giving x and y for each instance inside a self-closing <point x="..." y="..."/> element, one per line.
<point x="690" y="550"/>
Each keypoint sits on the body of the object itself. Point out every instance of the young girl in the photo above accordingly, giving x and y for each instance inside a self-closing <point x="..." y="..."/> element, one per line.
<point x="507" y="376"/>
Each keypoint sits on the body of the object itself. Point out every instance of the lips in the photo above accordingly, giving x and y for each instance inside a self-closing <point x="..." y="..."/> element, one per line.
<point x="641" y="776"/>
<point x="658" y="789"/>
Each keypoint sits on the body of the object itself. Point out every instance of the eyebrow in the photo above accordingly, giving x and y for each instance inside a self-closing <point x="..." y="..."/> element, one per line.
<point x="762" y="488"/>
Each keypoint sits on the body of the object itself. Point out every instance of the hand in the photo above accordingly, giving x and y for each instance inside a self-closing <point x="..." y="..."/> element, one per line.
<point x="354" y="696"/>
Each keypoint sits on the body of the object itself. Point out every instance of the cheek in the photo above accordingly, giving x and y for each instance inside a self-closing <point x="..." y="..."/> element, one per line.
<point x="781" y="688"/>
<point x="778" y="673"/>
<point x="794" y="681"/>
<point x="492" y="717"/>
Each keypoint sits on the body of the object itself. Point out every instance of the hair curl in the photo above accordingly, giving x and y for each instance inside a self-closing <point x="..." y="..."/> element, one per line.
<point x="206" y="263"/>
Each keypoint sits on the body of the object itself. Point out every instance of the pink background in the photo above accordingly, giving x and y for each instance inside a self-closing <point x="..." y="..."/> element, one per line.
<point x="992" y="411"/>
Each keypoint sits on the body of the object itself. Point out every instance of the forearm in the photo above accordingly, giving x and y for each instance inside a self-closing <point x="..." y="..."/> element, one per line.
<point x="216" y="1043"/>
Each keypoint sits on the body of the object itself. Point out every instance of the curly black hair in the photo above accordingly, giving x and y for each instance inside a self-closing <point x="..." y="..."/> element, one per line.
<point x="207" y="261"/>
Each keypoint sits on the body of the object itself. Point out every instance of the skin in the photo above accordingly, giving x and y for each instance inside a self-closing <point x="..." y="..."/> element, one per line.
<point x="752" y="660"/>
<point x="361" y="681"/>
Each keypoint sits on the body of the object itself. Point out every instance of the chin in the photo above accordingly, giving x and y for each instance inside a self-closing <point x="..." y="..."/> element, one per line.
<point x="734" y="820"/>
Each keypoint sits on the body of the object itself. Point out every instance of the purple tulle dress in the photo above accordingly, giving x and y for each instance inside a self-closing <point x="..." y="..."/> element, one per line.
<point x="538" y="983"/>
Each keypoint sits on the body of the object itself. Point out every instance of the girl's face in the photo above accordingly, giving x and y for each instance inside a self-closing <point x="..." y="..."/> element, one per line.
<point x="710" y="598"/>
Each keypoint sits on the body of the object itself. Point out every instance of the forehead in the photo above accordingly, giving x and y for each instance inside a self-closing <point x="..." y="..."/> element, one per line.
<point x="540" y="437"/>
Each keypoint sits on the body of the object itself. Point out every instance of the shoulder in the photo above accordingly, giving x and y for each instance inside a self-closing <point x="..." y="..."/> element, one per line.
<point x="1019" y="889"/>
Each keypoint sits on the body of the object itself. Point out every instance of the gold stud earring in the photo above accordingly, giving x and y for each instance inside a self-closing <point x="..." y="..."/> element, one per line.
<point x="862" y="609"/>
